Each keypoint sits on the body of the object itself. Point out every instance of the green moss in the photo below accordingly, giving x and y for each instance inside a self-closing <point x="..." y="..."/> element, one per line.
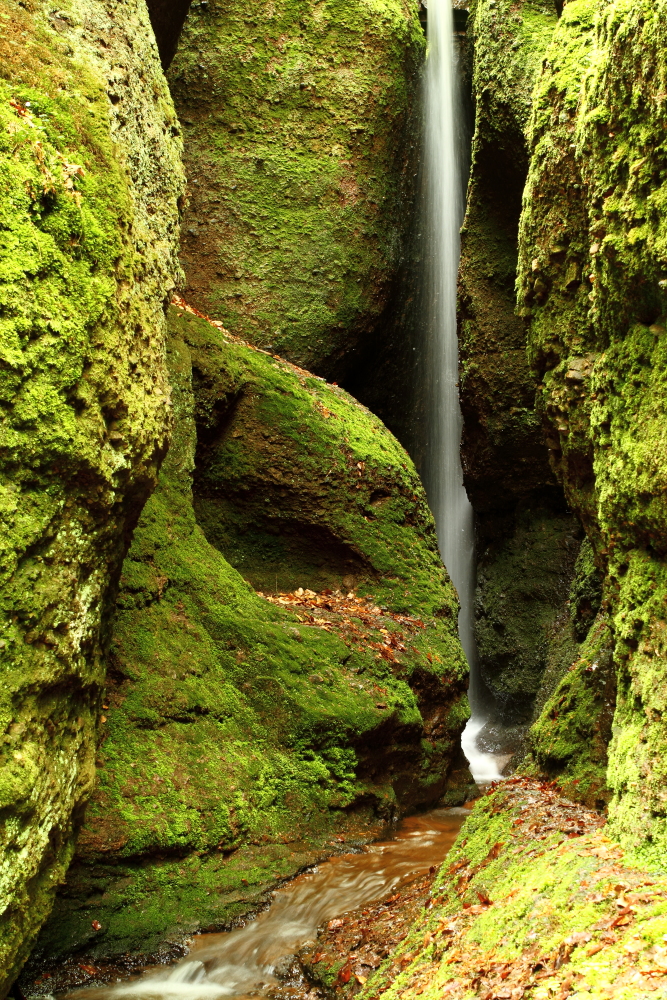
<point x="299" y="485"/>
<point x="239" y="737"/>
<point x="569" y="740"/>
<point x="301" y="138"/>
<point x="591" y="284"/>
<point x="88" y="226"/>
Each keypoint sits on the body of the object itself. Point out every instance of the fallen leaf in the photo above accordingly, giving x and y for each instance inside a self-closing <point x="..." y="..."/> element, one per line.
<point x="345" y="974"/>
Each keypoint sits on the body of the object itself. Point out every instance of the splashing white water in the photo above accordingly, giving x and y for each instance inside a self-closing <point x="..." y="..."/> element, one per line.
<point x="443" y="475"/>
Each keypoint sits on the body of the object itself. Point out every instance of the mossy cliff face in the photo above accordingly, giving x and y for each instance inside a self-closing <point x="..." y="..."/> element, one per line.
<point x="593" y="274"/>
<point x="503" y="447"/>
<point x="242" y="733"/>
<point x="301" y="143"/>
<point x="527" y="540"/>
<point x="90" y="170"/>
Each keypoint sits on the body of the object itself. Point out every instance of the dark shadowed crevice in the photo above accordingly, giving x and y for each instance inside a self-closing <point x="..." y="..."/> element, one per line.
<point x="167" y="18"/>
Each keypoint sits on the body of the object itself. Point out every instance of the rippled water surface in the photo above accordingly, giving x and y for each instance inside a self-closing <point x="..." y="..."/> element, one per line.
<point x="248" y="961"/>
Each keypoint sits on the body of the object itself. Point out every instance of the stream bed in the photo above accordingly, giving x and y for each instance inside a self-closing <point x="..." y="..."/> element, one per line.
<point x="259" y="958"/>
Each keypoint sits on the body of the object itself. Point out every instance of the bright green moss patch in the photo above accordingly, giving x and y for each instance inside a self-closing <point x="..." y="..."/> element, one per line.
<point x="300" y="486"/>
<point x="88" y="231"/>
<point x="302" y="133"/>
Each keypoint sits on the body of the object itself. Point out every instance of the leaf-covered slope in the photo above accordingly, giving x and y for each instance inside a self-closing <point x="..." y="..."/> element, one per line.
<point x="89" y="180"/>
<point x="535" y="900"/>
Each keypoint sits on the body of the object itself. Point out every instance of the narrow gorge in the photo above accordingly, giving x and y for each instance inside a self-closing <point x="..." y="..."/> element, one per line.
<point x="332" y="482"/>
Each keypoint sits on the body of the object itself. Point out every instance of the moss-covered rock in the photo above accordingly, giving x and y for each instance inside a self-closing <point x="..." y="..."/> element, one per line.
<point x="301" y="142"/>
<point x="570" y="739"/>
<point x="527" y="539"/>
<point x="242" y="733"/>
<point x="90" y="177"/>
<point x="593" y="276"/>
<point x="523" y="626"/>
<point x="504" y="453"/>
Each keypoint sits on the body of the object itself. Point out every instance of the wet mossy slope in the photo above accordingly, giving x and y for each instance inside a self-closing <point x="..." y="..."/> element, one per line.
<point x="241" y="734"/>
<point x="593" y="278"/>
<point x="301" y="126"/>
<point x="90" y="176"/>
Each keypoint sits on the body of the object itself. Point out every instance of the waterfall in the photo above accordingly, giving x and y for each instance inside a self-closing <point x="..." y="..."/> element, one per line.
<point x="444" y="208"/>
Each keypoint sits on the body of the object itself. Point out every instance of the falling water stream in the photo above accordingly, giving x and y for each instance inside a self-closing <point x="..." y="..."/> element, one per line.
<point x="444" y="208"/>
<point x="247" y="962"/>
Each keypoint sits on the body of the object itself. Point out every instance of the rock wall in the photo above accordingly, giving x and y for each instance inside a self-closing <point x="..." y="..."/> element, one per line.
<point x="90" y="167"/>
<point x="593" y="275"/>
<point x="243" y="730"/>
<point x="301" y="141"/>
<point x="527" y="539"/>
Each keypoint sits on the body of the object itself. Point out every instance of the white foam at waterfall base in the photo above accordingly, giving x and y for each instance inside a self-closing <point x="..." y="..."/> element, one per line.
<point x="443" y="475"/>
<point x="483" y="765"/>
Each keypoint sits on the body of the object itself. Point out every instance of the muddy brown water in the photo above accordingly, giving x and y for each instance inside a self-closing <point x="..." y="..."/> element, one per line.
<point x="254" y="960"/>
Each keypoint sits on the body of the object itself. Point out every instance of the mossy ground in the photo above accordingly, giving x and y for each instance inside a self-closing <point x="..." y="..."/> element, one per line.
<point x="535" y="901"/>
<point x="84" y="269"/>
<point x="592" y="288"/>
<point x="238" y="739"/>
<point x="300" y="123"/>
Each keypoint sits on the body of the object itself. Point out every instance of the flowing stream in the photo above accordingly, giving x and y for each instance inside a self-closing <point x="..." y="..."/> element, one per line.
<point x="444" y="209"/>
<point x="247" y="962"/>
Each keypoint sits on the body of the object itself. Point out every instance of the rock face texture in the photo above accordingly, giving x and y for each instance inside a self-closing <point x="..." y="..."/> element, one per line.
<point x="527" y="539"/>
<point x="242" y="731"/>
<point x="593" y="276"/>
<point x="90" y="167"/>
<point x="301" y="125"/>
